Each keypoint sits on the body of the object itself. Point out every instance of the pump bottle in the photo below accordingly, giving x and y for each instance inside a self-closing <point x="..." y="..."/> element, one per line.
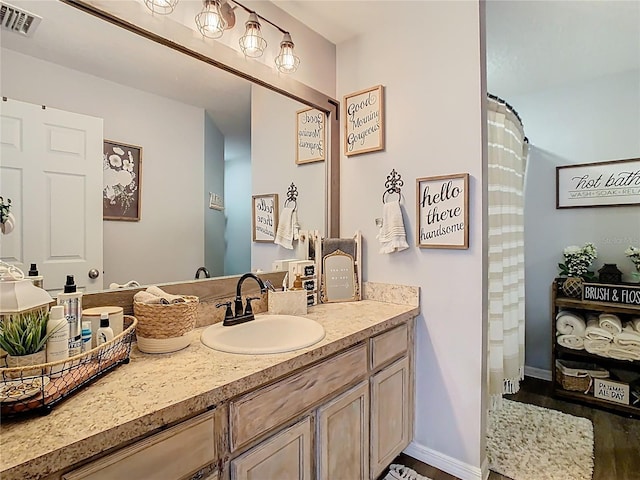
<point x="104" y="333"/>
<point x="71" y="300"/>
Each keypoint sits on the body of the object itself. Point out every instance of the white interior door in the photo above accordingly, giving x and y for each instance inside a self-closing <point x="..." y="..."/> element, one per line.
<point x="51" y="169"/>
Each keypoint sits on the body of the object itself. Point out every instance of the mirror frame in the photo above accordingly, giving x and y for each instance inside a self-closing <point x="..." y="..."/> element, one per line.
<point x="264" y="76"/>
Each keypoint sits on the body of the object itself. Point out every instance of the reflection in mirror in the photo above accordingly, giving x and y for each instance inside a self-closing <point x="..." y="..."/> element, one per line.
<point x="204" y="134"/>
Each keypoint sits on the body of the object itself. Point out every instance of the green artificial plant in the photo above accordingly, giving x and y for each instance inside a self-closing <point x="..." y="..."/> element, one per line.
<point x="24" y="333"/>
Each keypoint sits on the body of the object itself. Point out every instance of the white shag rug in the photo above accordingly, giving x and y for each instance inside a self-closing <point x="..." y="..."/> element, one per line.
<point x="400" y="472"/>
<point x="527" y="442"/>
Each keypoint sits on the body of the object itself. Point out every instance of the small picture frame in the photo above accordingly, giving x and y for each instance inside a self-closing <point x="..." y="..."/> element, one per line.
<point x="265" y="217"/>
<point x="364" y="121"/>
<point x="339" y="282"/>
<point x="122" y="181"/>
<point x="443" y="211"/>
<point x="310" y="136"/>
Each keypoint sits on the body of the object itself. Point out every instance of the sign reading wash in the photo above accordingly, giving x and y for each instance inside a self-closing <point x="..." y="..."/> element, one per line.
<point x="600" y="292"/>
<point x="443" y="211"/>
<point x="598" y="184"/>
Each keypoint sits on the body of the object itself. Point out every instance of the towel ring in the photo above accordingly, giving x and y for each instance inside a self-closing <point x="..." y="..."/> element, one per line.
<point x="292" y="196"/>
<point x="393" y="183"/>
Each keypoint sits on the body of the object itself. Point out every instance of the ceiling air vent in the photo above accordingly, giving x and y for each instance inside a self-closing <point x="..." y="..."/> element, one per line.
<point x="18" y="20"/>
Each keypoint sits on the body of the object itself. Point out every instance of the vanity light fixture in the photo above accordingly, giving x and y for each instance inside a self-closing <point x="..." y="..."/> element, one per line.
<point x="161" y="7"/>
<point x="210" y="22"/>
<point x="218" y="15"/>
<point x="287" y="61"/>
<point x="252" y="43"/>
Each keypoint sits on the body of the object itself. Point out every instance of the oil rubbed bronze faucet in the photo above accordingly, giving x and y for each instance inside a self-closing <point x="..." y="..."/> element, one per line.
<point x="202" y="270"/>
<point x="242" y="314"/>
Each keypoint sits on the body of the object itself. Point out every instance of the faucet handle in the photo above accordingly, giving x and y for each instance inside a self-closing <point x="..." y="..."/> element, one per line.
<point x="248" y="309"/>
<point x="228" y="313"/>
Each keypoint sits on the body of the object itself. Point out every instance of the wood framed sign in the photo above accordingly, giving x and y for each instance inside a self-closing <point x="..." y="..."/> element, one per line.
<point x="619" y="294"/>
<point x="600" y="184"/>
<point x="265" y="217"/>
<point x="121" y="175"/>
<point x="310" y="136"/>
<point x="364" y="121"/>
<point x="443" y="211"/>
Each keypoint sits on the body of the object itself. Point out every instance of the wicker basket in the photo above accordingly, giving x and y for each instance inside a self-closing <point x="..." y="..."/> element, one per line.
<point x="578" y="376"/>
<point x="166" y="321"/>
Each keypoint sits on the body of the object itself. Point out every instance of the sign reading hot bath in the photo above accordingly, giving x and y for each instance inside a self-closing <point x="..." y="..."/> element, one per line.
<point x="600" y="184"/>
<point x="443" y="211"/>
<point x="599" y="292"/>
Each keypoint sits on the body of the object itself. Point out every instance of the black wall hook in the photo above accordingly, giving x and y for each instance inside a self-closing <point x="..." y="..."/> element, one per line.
<point x="393" y="184"/>
<point x="292" y="195"/>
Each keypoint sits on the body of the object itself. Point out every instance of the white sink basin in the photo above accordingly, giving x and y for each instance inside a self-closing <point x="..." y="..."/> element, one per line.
<point x="265" y="334"/>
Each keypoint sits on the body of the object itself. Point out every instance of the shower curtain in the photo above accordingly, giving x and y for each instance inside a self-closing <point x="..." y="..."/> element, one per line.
<point x="507" y="148"/>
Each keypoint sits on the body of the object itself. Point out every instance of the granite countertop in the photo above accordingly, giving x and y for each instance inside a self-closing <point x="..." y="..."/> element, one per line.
<point x="155" y="390"/>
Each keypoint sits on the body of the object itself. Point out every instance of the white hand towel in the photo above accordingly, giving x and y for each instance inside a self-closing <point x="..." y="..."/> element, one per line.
<point x="286" y="222"/>
<point x="569" y="323"/>
<point x="571" y="341"/>
<point x="148" y="298"/>
<point x="610" y="322"/>
<point x="626" y="353"/>
<point x="392" y="235"/>
<point x="628" y="337"/>
<point x="636" y="323"/>
<point x="594" y="332"/>
<point x="158" y="292"/>
<point x="597" y="347"/>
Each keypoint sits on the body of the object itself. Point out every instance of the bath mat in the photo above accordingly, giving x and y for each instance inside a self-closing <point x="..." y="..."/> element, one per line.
<point x="400" y="472"/>
<point x="526" y="442"/>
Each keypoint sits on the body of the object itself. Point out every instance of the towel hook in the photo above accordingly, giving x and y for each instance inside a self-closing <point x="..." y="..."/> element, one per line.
<point x="393" y="184"/>
<point x="292" y="195"/>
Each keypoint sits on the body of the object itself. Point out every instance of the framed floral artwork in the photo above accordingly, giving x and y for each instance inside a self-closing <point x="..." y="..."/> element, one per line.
<point x="122" y="168"/>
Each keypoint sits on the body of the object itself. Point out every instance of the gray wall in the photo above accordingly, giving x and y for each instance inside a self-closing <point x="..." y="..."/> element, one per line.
<point x="237" y="203"/>
<point x="214" y="222"/>
<point x="581" y="123"/>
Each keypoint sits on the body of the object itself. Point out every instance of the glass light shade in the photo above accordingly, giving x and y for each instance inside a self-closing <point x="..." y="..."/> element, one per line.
<point x="210" y="22"/>
<point x="287" y="61"/>
<point x="21" y="295"/>
<point x="252" y="44"/>
<point x="161" y="7"/>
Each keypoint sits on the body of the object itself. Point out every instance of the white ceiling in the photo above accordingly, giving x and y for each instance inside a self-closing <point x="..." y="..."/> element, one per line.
<point x="531" y="45"/>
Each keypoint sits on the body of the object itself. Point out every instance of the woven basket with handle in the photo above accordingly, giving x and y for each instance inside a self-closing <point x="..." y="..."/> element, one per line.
<point x="166" y="321"/>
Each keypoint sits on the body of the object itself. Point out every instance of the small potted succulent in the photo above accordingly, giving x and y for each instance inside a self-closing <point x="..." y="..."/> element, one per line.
<point x="24" y="337"/>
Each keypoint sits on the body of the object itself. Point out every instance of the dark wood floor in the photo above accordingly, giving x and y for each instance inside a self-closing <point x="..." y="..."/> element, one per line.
<point x="616" y="437"/>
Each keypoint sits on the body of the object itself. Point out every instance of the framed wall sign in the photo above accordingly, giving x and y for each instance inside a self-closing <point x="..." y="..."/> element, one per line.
<point x="121" y="173"/>
<point x="600" y="184"/>
<point x="310" y="135"/>
<point x="364" y="121"/>
<point x="265" y="217"/>
<point x="443" y="211"/>
<point x="339" y="278"/>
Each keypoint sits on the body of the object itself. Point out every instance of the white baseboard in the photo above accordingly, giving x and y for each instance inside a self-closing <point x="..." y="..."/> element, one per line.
<point x="537" y="373"/>
<point x="446" y="463"/>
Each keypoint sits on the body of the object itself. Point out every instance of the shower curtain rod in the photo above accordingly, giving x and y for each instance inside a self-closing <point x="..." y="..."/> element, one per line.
<point x="506" y="104"/>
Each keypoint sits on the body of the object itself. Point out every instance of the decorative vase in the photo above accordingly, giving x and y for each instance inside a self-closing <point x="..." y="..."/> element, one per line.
<point x="572" y="287"/>
<point x="635" y="277"/>
<point x="609" y="273"/>
<point x="37" y="358"/>
<point x="8" y="225"/>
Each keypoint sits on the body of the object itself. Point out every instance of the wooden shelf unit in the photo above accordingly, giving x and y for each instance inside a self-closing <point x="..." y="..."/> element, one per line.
<point x="560" y="352"/>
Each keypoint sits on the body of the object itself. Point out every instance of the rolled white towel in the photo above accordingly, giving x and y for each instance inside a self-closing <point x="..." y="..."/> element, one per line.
<point x="574" y="342"/>
<point x="628" y="337"/>
<point x="624" y="353"/>
<point x="610" y="322"/>
<point x="158" y="292"/>
<point x="635" y="322"/>
<point x="597" y="347"/>
<point x="594" y="332"/>
<point x="148" y="298"/>
<point x="569" y="323"/>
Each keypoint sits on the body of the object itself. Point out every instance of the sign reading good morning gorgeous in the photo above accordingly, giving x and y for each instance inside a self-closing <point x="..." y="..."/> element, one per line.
<point x="443" y="211"/>
<point x="310" y="134"/>
<point x="364" y="121"/>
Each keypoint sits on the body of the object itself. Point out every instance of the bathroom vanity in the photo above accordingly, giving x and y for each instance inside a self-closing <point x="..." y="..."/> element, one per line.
<point x="342" y="408"/>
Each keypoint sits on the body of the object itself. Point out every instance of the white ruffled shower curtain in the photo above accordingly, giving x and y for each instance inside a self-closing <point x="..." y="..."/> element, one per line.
<point x="507" y="161"/>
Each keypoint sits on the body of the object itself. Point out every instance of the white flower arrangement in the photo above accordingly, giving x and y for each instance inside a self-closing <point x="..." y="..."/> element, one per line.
<point x="577" y="261"/>
<point x="634" y="254"/>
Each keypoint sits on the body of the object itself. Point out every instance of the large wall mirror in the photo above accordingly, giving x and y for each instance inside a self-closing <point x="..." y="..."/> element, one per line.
<point x="205" y="134"/>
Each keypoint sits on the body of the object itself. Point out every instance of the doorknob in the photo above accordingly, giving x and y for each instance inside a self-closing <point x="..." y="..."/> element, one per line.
<point x="94" y="273"/>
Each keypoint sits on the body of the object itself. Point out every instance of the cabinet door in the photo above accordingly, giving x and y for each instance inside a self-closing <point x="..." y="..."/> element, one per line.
<point x="390" y="414"/>
<point x="343" y="436"/>
<point x="285" y="456"/>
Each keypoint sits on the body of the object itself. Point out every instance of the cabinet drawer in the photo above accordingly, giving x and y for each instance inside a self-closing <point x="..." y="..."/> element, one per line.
<point x="178" y="451"/>
<point x="389" y="345"/>
<point x="258" y="412"/>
